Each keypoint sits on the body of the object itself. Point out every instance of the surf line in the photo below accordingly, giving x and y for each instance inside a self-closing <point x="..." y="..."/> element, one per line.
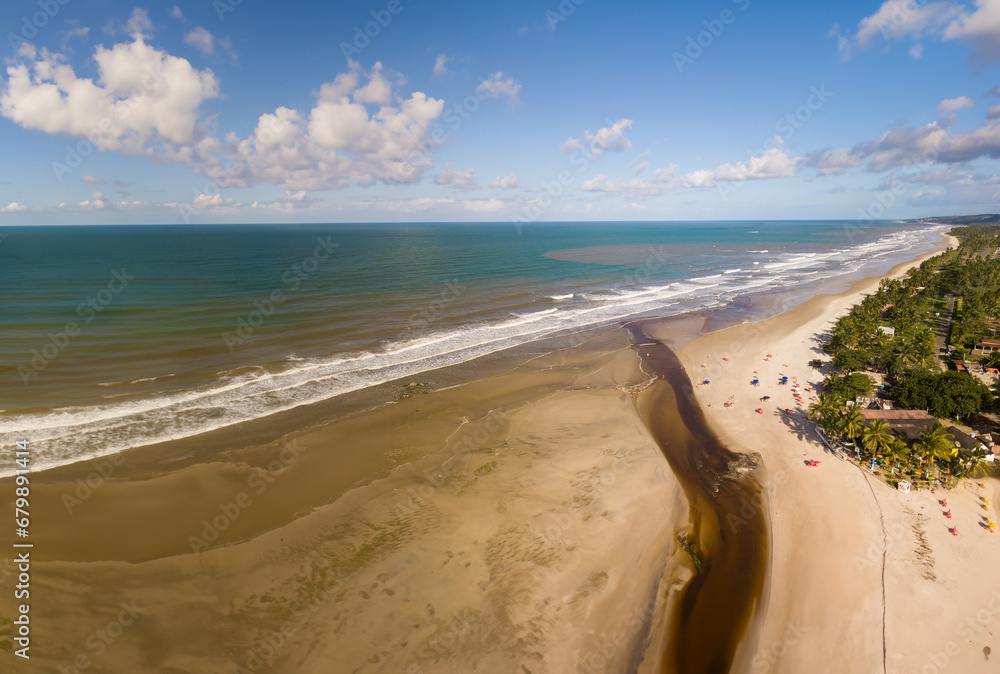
<point x="728" y="533"/>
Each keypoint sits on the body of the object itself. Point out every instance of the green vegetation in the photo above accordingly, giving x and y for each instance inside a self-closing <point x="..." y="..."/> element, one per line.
<point x="851" y="386"/>
<point x="891" y="332"/>
<point x="946" y="395"/>
<point x="860" y="341"/>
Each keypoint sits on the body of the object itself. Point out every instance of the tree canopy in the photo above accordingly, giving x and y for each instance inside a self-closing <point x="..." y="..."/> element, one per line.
<point x="947" y="395"/>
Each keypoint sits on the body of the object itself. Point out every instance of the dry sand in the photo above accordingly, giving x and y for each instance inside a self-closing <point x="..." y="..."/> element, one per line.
<point x="863" y="578"/>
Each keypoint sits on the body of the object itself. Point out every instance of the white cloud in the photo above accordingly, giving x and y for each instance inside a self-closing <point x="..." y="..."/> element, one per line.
<point x="176" y="12"/>
<point x="497" y="85"/>
<point x="931" y="143"/>
<point x="773" y="163"/>
<point x="916" y="51"/>
<point x="662" y="181"/>
<point x="898" y="19"/>
<point x="570" y="145"/>
<point x="93" y="180"/>
<point x="608" y="139"/>
<point x="147" y="102"/>
<point x="138" y="24"/>
<point x="14" y="207"/>
<point x="339" y="141"/>
<point x="950" y="105"/>
<point x="201" y="39"/>
<point x="213" y="200"/>
<point x="483" y="205"/>
<point x="143" y="98"/>
<point x="415" y="205"/>
<point x="378" y="90"/>
<point x="440" y="64"/>
<point x="981" y="28"/>
<point x="507" y="182"/>
<point x="994" y="112"/>
<point x="462" y="180"/>
<point x="832" y="162"/>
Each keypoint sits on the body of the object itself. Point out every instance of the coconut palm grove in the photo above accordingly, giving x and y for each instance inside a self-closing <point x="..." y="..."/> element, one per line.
<point x="912" y="392"/>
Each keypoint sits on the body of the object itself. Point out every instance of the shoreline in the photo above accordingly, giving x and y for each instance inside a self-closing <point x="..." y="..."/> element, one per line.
<point x="869" y="578"/>
<point x="523" y="516"/>
<point x="752" y="305"/>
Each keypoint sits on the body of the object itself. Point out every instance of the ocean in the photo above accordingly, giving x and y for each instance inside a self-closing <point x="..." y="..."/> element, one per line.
<point x="125" y="336"/>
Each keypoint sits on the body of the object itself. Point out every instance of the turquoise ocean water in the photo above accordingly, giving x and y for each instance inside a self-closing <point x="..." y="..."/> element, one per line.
<point x="119" y="337"/>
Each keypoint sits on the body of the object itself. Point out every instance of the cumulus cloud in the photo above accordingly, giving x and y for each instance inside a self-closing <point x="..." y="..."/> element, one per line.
<point x="147" y="102"/>
<point x="339" y="141"/>
<point x="176" y="12"/>
<point x="143" y="99"/>
<point x="14" y="207"/>
<point x="93" y="180"/>
<point x="507" y="182"/>
<point x="773" y="163"/>
<point x="607" y="139"/>
<point x="98" y="200"/>
<point x="201" y="39"/>
<point x="461" y="180"/>
<point x="899" y="19"/>
<point x="497" y="86"/>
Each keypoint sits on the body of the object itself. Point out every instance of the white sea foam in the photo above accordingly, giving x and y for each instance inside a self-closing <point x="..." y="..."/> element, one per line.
<point x="559" y="298"/>
<point x="75" y="433"/>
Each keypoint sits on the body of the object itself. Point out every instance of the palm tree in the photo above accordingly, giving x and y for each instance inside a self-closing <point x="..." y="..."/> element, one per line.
<point x="876" y="436"/>
<point x="935" y="443"/>
<point x="826" y="410"/>
<point x="977" y="465"/>
<point x="852" y="423"/>
<point x="897" y="451"/>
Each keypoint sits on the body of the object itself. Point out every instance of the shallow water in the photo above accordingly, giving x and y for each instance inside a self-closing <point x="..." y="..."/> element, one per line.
<point x="729" y="532"/>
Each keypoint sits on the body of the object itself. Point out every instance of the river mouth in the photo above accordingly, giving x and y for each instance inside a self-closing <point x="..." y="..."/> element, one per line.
<point x="728" y="539"/>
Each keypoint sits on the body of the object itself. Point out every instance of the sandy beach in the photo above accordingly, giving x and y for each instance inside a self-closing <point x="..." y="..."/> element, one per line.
<point x="861" y="575"/>
<point x="525" y="520"/>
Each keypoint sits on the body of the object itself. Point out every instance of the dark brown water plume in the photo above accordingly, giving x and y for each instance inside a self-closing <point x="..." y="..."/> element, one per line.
<point x="728" y="537"/>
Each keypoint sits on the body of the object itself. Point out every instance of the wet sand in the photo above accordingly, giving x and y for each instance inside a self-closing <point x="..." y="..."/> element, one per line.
<point x="523" y="521"/>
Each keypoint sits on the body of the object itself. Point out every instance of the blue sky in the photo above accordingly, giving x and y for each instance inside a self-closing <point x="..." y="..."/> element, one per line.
<point x="406" y="110"/>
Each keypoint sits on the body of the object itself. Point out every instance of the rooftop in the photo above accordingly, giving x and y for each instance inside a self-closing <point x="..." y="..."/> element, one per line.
<point x="897" y="415"/>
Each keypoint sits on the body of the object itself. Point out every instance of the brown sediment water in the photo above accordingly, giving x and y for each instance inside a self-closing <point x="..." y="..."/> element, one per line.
<point x="728" y="533"/>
